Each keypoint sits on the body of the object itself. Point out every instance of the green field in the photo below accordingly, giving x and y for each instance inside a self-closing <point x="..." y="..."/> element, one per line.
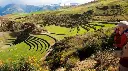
<point x="22" y="50"/>
<point x="63" y="30"/>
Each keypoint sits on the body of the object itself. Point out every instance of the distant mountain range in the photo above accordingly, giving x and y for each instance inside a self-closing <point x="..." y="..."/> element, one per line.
<point x="15" y="8"/>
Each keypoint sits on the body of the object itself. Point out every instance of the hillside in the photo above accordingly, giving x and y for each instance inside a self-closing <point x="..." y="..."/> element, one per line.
<point x="107" y="10"/>
<point x="78" y="16"/>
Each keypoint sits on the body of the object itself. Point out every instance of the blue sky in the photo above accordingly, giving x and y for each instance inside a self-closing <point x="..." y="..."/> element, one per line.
<point x="40" y="2"/>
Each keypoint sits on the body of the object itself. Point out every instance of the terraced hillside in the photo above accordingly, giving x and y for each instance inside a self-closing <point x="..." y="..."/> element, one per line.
<point x="83" y="36"/>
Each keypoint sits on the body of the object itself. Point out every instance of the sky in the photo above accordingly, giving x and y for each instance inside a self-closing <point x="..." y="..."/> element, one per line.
<point x="41" y="2"/>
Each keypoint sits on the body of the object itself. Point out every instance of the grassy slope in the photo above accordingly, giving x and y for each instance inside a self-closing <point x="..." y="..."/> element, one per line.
<point x="84" y="7"/>
<point x="81" y="9"/>
<point x="92" y="6"/>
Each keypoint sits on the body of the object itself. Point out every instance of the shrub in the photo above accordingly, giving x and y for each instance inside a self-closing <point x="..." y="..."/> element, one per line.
<point x="66" y="52"/>
<point x="23" y="64"/>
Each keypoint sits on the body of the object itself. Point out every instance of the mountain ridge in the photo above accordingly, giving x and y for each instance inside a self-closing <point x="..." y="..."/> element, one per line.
<point x="20" y="8"/>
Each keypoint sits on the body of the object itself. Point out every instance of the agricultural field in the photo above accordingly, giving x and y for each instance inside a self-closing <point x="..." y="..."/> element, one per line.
<point x="22" y="50"/>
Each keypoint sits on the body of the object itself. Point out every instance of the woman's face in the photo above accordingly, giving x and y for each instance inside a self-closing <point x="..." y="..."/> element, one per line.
<point x="121" y="29"/>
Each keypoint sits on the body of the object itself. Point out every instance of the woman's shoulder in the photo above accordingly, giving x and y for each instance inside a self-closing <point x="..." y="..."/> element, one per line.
<point x="125" y="35"/>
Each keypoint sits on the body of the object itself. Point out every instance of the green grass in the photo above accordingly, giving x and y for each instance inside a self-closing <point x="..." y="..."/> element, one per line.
<point x="63" y="30"/>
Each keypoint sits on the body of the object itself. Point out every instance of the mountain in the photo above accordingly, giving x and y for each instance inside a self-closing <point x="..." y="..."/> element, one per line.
<point x="0" y="9"/>
<point x="15" y="8"/>
<point x="11" y="8"/>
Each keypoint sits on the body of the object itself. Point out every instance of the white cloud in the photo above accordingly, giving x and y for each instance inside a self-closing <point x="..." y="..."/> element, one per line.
<point x="76" y="1"/>
<point x="3" y="2"/>
<point x="40" y="2"/>
<point x="84" y="1"/>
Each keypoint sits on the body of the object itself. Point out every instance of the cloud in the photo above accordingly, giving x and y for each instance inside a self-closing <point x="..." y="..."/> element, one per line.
<point x="5" y="2"/>
<point x="84" y="1"/>
<point x="40" y="2"/>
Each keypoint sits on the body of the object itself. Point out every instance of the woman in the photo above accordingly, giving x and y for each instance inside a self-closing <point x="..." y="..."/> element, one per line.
<point x="120" y="38"/>
<point x="124" y="57"/>
<point x="122" y="46"/>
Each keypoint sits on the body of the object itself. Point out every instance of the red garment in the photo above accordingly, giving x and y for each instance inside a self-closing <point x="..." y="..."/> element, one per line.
<point x="124" y="61"/>
<point x="117" y="38"/>
<point x="120" y="40"/>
